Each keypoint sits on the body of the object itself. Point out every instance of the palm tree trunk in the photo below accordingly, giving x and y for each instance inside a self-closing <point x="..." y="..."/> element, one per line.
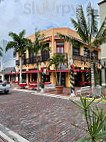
<point x="20" y="69"/>
<point x="60" y="76"/>
<point x="38" y="75"/>
<point x="92" y="78"/>
<point x="56" y="79"/>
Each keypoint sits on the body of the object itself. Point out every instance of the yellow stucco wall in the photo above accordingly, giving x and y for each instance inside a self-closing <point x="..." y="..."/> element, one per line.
<point x="52" y="39"/>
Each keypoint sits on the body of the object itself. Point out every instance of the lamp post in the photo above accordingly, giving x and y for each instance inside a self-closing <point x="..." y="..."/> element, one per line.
<point x="72" y="77"/>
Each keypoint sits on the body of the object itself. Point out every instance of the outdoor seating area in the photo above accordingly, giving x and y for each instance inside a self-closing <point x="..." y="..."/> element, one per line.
<point x="32" y="85"/>
<point x="84" y="83"/>
<point x="83" y="90"/>
<point x="15" y="82"/>
<point x="22" y="85"/>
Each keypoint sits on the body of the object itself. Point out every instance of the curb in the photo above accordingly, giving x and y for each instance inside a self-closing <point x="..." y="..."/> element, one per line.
<point x="49" y="95"/>
<point x="10" y="136"/>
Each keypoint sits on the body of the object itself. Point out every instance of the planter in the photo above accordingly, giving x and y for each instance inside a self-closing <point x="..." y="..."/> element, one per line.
<point x="59" y="89"/>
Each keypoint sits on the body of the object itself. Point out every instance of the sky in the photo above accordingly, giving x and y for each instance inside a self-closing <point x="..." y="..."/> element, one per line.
<point x="16" y="15"/>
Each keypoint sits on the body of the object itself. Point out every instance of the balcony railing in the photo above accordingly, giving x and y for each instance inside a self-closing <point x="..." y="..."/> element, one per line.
<point x="32" y="60"/>
<point x="45" y="57"/>
<point x="81" y="58"/>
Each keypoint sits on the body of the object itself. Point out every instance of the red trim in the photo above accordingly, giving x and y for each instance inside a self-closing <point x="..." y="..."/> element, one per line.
<point x="75" y="70"/>
<point x="59" y="71"/>
<point x="81" y="70"/>
<point x="28" y="72"/>
<point x="10" y="72"/>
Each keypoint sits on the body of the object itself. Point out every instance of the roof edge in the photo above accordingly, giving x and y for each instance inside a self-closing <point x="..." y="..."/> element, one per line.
<point x="102" y="2"/>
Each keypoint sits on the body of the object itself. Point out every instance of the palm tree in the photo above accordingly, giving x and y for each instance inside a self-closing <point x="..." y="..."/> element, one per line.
<point x="87" y="29"/>
<point x="37" y="48"/>
<point x="19" y="44"/>
<point x="61" y="62"/>
<point x="56" y="60"/>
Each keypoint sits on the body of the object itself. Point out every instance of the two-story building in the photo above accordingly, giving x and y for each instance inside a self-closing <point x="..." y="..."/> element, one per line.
<point x="102" y="6"/>
<point x="80" y="56"/>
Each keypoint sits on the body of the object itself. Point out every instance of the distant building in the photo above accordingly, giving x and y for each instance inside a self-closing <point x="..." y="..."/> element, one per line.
<point x="7" y="63"/>
<point x="102" y="6"/>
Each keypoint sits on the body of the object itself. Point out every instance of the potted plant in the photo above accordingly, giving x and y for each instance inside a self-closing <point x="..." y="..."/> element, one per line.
<point x="57" y="60"/>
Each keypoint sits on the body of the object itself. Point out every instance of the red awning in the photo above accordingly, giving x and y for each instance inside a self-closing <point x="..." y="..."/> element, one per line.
<point x="29" y="72"/>
<point x="11" y="73"/>
<point x="75" y="70"/>
<point x="33" y="71"/>
<point x="59" y="71"/>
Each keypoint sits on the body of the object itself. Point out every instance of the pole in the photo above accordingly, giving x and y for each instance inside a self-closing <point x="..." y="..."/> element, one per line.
<point x="38" y="75"/>
<point x="20" y="69"/>
<point x="72" y="82"/>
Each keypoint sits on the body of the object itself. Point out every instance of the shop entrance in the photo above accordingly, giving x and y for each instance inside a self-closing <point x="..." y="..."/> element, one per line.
<point x="34" y="76"/>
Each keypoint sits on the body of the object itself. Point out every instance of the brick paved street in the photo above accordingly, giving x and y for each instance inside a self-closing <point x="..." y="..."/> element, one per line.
<point x="39" y="118"/>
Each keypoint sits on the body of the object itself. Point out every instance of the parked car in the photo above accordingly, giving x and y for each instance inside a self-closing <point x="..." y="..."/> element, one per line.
<point x="4" y="87"/>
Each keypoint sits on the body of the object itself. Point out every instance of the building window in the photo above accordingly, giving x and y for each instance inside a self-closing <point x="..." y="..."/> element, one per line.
<point x="60" y="47"/>
<point x="45" y="53"/>
<point x="95" y="54"/>
<point x="32" y="54"/>
<point x="76" y="51"/>
<point x="86" y="52"/>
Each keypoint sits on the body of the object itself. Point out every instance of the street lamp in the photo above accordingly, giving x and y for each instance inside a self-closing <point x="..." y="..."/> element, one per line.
<point x="72" y="78"/>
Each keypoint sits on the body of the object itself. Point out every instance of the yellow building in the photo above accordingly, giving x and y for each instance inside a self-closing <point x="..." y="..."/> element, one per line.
<point x="80" y="55"/>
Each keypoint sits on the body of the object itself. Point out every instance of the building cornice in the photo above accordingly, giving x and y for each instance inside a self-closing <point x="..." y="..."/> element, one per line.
<point x="101" y="2"/>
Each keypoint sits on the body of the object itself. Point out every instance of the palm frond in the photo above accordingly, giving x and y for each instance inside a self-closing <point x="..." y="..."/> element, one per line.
<point x="10" y="45"/>
<point x="1" y="53"/>
<point x="1" y="48"/>
<point x="70" y="39"/>
<point x="15" y="37"/>
<point x="81" y="24"/>
<point x="102" y="30"/>
<point x="99" y="41"/>
<point x="14" y="53"/>
<point x="21" y="34"/>
<point x="92" y="15"/>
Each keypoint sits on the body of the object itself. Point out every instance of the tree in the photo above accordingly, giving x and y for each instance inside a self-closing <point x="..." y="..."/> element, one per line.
<point x="37" y="48"/>
<point x="57" y="61"/>
<point x="87" y="29"/>
<point x="19" y="44"/>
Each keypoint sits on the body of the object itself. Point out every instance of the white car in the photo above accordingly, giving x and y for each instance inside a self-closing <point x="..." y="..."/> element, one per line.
<point x="4" y="87"/>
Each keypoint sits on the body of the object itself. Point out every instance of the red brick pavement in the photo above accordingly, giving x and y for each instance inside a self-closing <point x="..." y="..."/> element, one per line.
<point x="39" y="118"/>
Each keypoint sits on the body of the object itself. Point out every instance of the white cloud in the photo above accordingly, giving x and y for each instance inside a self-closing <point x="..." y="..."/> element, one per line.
<point x="16" y="15"/>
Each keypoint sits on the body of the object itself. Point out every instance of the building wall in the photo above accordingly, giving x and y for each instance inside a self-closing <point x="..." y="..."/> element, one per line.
<point x="7" y="60"/>
<point x="52" y="38"/>
<point x="102" y="7"/>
